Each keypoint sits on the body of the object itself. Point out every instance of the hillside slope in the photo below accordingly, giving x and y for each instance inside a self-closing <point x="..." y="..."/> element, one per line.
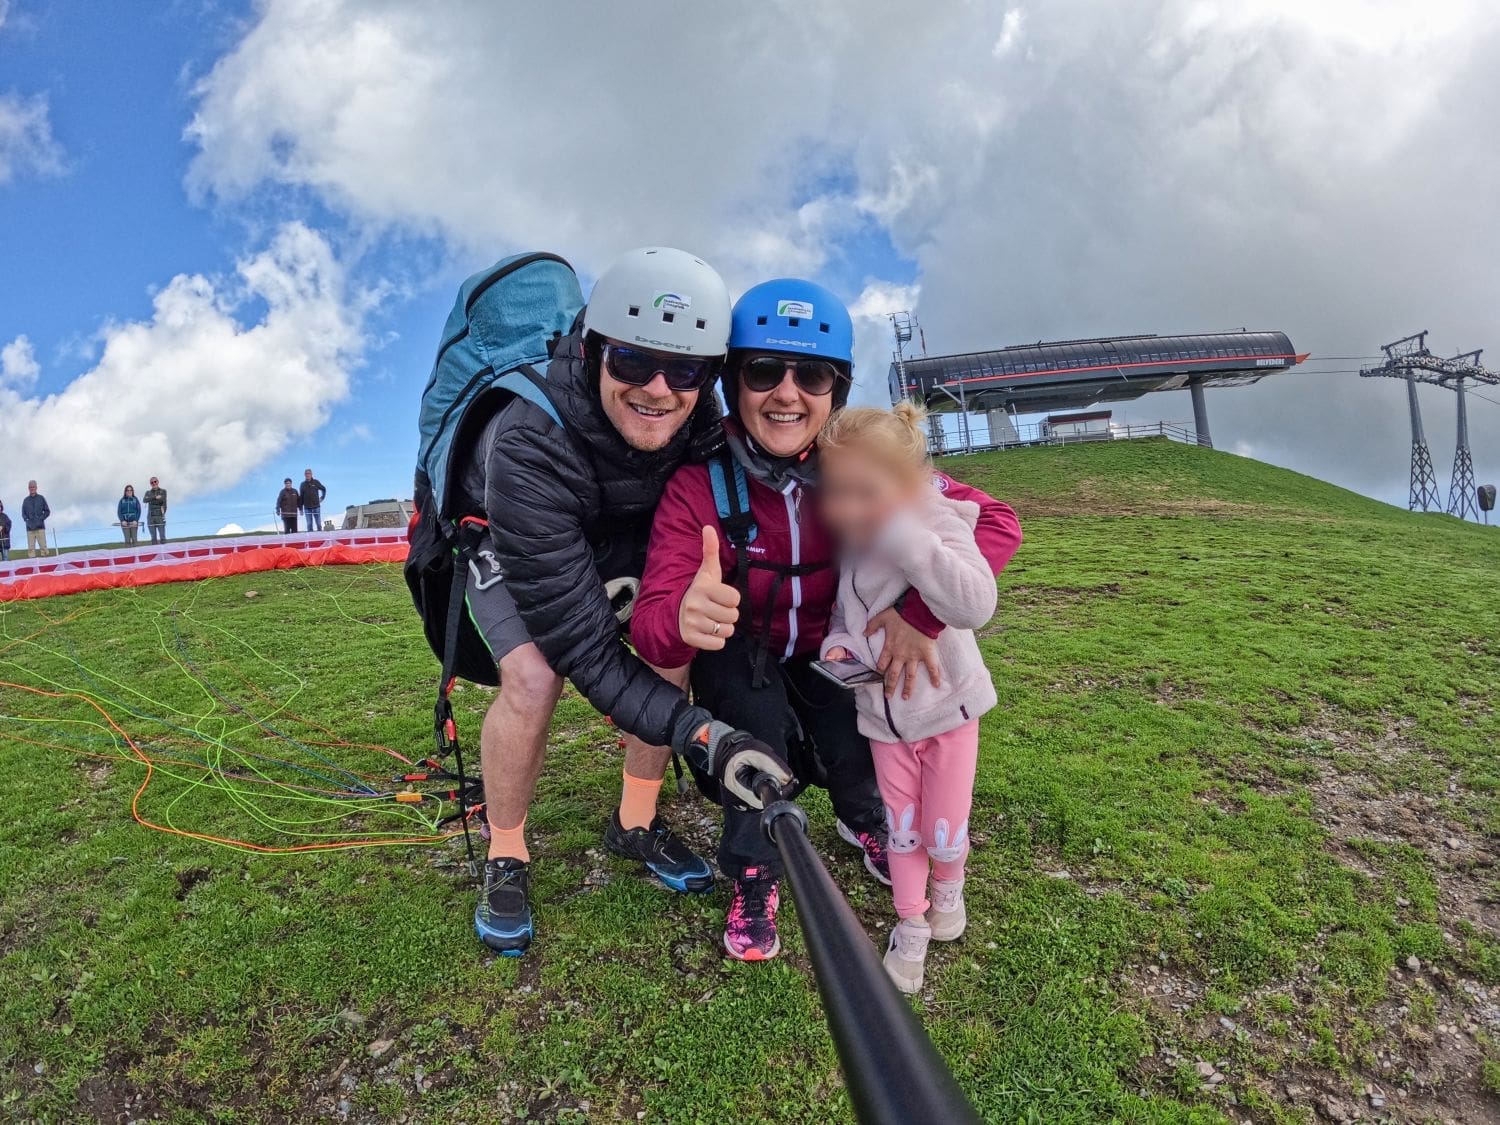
<point x="1234" y="847"/>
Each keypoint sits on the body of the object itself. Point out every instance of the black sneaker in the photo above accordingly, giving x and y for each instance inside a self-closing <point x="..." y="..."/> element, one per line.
<point x="677" y="866"/>
<point x="503" y="917"/>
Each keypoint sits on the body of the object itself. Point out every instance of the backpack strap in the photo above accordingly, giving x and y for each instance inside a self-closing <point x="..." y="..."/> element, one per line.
<point x="471" y="531"/>
<point x="732" y="501"/>
<point x="525" y="382"/>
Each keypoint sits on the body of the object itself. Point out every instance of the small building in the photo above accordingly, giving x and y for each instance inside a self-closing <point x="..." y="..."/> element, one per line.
<point x="377" y="513"/>
<point x="1089" y="425"/>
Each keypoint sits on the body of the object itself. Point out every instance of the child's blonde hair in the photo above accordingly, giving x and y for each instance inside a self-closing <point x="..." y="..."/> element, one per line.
<point x="896" y="435"/>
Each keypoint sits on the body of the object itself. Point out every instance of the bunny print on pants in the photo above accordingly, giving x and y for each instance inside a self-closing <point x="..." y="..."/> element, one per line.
<point x="901" y="839"/>
<point x="932" y="783"/>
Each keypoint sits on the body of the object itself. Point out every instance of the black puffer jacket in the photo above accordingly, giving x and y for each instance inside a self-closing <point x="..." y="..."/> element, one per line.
<point x="569" y="506"/>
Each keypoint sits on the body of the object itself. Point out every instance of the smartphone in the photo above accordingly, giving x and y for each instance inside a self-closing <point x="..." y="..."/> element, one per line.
<point x="848" y="673"/>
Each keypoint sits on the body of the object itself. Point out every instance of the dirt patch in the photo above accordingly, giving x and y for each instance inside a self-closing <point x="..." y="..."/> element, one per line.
<point x="1415" y="1057"/>
<point x="190" y="878"/>
<point x="1356" y="805"/>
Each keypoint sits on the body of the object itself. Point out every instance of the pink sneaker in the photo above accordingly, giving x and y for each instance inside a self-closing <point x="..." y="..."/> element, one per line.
<point x="750" y="929"/>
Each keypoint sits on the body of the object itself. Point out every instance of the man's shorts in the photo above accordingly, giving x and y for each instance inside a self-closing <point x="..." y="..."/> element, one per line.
<point x="492" y="609"/>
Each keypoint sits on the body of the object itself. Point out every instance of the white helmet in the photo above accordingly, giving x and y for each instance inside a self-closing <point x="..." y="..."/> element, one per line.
<point x="661" y="298"/>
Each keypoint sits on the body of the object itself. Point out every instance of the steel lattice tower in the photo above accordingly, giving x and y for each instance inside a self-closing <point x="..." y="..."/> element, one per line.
<point x="1424" y="487"/>
<point x="1409" y="359"/>
<point x="1461" y="500"/>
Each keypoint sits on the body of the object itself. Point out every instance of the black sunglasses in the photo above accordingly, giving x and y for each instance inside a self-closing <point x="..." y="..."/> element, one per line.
<point x="765" y="373"/>
<point x="637" y="368"/>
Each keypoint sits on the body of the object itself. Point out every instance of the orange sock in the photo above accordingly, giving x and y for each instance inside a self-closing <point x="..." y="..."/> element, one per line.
<point x="510" y="843"/>
<point x="638" y="801"/>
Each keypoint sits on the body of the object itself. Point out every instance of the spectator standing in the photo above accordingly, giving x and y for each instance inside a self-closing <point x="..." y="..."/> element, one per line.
<point x="311" y="496"/>
<point x="34" y="513"/>
<point x="4" y="535"/>
<point x="287" y="502"/>
<point x="156" y="511"/>
<point x="128" y="512"/>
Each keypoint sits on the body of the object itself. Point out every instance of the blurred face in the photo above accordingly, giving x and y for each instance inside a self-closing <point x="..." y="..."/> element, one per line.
<point x="306" y="475"/>
<point x="859" y="494"/>
<point x="786" y="419"/>
<point x="31" y="487"/>
<point x="647" y="415"/>
<point x="130" y="490"/>
<point x="154" y="482"/>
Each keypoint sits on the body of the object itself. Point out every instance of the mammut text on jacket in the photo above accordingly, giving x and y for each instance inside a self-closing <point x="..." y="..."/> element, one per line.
<point x="569" y="505"/>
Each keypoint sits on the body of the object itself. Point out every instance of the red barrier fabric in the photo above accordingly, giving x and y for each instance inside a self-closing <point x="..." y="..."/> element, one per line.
<point x="188" y="562"/>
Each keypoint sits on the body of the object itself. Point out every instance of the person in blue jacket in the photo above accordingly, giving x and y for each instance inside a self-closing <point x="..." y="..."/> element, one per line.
<point x="128" y="512"/>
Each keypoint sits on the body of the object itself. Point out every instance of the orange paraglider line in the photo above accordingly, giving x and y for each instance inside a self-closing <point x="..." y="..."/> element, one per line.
<point x="264" y="849"/>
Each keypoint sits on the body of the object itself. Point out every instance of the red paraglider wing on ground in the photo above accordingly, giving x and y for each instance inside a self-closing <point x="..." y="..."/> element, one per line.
<point x="78" y="573"/>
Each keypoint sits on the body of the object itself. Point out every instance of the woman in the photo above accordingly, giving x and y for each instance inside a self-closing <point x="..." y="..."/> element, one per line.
<point x="128" y="512"/>
<point x="740" y="580"/>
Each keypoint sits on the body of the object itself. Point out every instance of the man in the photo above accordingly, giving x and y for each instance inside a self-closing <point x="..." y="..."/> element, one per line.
<point x="311" y="495"/>
<point x="34" y="513"/>
<point x="287" y="502"/>
<point x="4" y="535"/>
<point x="569" y="506"/>
<point x="156" y="511"/>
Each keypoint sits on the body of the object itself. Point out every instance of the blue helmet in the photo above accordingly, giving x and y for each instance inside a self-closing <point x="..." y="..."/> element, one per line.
<point x="792" y="317"/>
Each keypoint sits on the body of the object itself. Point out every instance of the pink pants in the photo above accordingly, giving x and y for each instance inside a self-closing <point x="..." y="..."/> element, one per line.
<point x="927" y="787"/>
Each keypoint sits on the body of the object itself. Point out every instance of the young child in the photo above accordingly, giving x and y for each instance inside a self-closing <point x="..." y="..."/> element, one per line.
<point x="898" y="532"/>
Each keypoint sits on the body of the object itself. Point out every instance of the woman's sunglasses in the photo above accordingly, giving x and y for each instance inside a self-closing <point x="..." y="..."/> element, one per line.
<point x="765" y="373"/>
<point x="637" y="368"/>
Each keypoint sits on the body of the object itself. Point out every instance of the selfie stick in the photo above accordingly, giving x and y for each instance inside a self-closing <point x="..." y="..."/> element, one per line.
<point x="893" y="1072"/>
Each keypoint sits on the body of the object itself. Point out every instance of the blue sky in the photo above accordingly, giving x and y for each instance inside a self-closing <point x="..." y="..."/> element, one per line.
<point x="229" y="233"/>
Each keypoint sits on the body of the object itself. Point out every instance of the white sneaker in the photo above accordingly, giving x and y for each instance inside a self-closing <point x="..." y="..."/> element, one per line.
<point x="906" y="956"/>
<point x="947" y="917"/>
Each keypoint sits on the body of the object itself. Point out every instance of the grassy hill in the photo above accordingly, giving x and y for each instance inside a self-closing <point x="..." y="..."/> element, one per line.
<point x="1235" y="840"/>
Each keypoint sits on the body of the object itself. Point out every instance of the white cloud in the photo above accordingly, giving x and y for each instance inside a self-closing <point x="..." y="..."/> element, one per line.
<point x="1010" y="33"/>
<point x="195" y="394"/>
<point x="18" y="365"/>
<point x="1053" y="170"/>
<point x="230" y="529"/>
<point x="26" y="141"/>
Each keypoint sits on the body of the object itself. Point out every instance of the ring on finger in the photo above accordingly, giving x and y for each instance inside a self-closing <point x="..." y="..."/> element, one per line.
<point x="714" y="632"/>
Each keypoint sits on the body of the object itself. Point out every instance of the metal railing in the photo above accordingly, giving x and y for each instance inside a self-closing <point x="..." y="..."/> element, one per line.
<point x="979" y="437"/>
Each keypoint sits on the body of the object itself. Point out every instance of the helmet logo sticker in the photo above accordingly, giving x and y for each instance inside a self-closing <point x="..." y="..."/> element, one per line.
<point x="671" y="302"/>
<point x="797" y="310"/>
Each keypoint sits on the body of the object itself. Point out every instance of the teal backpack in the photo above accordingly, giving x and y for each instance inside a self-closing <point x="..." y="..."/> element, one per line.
<point x="496" y="345"/>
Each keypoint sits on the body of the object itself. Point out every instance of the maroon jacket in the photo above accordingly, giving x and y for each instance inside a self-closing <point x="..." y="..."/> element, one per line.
<point x="790" y="531"/>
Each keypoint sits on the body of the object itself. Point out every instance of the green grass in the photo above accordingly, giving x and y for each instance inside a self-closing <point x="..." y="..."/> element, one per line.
<point x="1243" y="715"/>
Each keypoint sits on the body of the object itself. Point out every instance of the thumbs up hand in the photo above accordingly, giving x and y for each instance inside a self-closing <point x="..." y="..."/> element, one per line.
<point x="710" y="607"/>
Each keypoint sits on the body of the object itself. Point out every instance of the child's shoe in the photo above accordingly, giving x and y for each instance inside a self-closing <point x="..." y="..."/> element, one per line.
<point x="906" y="957"/>
<point x="947" y="917"/>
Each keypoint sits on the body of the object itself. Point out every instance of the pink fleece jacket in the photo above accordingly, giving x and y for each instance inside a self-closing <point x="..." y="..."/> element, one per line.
<point x="930" y="549"/>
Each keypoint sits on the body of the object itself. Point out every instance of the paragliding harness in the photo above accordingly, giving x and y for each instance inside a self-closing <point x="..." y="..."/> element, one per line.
<point x="731" y="489"/>
<point x="496" y="345"/>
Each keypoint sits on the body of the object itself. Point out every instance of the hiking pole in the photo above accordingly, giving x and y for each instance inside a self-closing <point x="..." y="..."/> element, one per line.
<point x="894" y="1074"/>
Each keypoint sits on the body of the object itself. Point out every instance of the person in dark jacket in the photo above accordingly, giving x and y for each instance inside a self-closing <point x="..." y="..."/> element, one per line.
<point x="156" y="511"/>
<point x="4" y="535"/>
<point x="128" y="512"/>
<point x="749" y="629"/>
<point x="34" y="513"/>
<point x="310" y="493"/>
<point x="287" y="502"/>
<point x="569" y="509"/>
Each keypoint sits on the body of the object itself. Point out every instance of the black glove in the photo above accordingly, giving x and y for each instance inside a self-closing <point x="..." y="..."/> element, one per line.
<point x="725" y="754"/>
